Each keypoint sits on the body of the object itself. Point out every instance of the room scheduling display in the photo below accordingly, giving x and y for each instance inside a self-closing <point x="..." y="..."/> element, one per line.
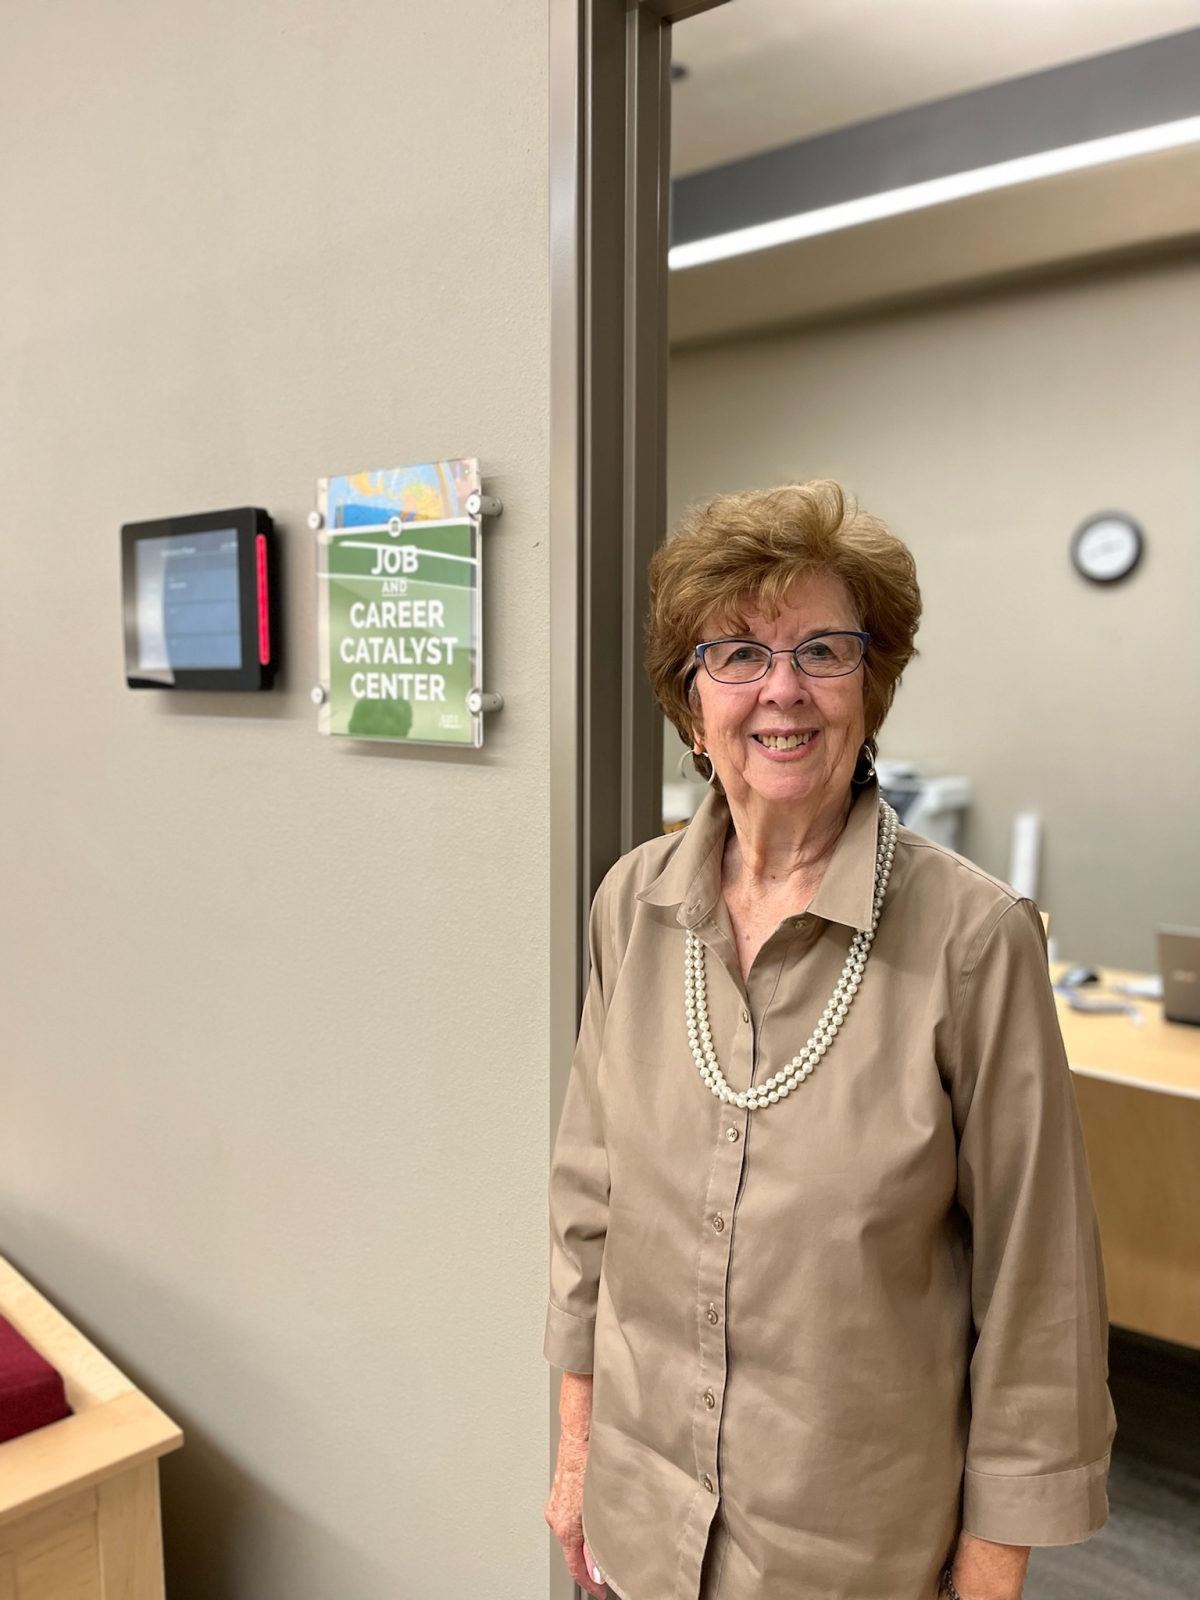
<point x="187" y="601"/>
<point x="199" y="610"/>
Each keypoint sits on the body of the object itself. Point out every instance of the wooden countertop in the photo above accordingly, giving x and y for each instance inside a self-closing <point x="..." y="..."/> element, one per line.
<point x="113" y="1427"/>
<point x="1159" y="1055"/>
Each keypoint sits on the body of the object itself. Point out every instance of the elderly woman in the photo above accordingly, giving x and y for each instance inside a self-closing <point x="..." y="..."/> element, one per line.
<point x="826" y="1290"/>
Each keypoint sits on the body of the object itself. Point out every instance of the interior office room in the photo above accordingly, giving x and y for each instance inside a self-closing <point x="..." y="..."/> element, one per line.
<point x="991" y="373"/>
<point x="289" y="981"/>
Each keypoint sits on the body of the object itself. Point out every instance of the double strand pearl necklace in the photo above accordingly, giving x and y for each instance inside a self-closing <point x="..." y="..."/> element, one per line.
<point x="778" y="1087"/>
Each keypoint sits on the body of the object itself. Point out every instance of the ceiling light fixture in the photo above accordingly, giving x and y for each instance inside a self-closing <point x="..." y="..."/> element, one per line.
<point x="936" y="191"/>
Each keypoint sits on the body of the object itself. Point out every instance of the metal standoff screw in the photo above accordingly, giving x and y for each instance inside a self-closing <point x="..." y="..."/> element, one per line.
<point x="479" y="702"/>
<point x="483" y="505"/>
<point x="315" y="520"/>
<point x="317" y="695"/>
<point x="395" y="527"/>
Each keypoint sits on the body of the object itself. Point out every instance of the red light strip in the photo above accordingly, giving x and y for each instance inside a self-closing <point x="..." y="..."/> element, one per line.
<point x="264" y="621"/>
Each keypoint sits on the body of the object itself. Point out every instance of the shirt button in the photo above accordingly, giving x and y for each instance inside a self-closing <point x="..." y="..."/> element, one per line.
<point x="708" y="1483"/>
<point x="713" y="1316"/>
<point x="719" y="1223"/>
<point x="732" y="1135"/>
<point x="710" y="1399"/>
<point x="745" y="1015"/>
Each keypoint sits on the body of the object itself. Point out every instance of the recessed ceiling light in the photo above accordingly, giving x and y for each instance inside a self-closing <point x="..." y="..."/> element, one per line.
<point x="936" y="191"/>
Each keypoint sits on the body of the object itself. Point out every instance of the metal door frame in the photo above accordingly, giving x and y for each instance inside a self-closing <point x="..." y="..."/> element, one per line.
<point x="610" y="91"/>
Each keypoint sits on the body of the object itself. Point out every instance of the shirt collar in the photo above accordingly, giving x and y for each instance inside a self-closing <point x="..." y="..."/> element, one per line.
<point x="847" y="892"/>
<point x="691" y="879"/>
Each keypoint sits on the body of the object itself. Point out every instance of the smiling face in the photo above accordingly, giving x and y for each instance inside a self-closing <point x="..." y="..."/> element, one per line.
<point x="788" y="738"/>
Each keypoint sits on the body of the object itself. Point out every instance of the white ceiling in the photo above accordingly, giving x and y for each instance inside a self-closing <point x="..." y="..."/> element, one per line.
<point x="763" y="73"/>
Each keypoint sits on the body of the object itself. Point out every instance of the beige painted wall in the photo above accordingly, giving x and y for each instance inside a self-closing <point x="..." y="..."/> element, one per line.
<point x="274" y="1060"/>
<point x="984" y="430"/>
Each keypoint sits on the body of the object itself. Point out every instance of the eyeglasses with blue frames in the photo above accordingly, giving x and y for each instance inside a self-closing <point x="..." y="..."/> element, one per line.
<point x="827" y="655"/>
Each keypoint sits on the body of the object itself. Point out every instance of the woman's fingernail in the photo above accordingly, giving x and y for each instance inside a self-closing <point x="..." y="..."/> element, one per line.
<point x="596" y="1578"/>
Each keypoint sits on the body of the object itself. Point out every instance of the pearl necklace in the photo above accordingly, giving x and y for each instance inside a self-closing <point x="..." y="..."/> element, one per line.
<point x="779" y="1086"/>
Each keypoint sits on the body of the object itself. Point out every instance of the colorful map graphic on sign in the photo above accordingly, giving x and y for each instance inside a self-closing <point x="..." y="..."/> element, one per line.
<point x="433" y="492"/>
<point x="400" y="569"/>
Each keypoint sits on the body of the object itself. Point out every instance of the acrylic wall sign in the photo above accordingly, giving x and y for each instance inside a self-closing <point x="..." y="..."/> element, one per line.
<point x="400" y="572"/>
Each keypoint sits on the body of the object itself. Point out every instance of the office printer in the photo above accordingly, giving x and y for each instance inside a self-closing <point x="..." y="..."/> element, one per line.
<point x="931" y="806"/>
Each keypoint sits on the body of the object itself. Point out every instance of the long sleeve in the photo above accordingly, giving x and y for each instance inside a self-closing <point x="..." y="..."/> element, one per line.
<point x="1041" y="1421"/>
<point x="579" y="1176"/>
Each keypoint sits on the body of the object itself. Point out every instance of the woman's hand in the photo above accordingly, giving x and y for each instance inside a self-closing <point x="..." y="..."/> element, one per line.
<point x="986" y="1571"/>
<point x="564" y="1509"/>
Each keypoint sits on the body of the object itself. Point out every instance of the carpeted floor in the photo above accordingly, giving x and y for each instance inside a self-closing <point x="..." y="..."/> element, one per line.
<point x="1150" y="1547"/>
<point x="1148" y="1550"/>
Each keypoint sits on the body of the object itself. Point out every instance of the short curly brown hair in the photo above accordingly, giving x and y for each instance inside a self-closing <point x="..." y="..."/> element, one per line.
<point x="745" y="551"/>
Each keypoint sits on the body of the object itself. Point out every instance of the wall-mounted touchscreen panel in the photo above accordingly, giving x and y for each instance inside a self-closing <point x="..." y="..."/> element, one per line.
<point x="199" y="601"/>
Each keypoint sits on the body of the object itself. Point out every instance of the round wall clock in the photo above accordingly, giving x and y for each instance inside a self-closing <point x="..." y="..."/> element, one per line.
<point x="1107" y="547"/>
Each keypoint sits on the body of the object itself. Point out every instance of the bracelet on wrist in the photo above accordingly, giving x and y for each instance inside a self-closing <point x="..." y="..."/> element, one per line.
<point x="947" y="1588"/>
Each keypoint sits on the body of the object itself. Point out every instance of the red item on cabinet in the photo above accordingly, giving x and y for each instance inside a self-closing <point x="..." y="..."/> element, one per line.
<point x="31" y="1391"/>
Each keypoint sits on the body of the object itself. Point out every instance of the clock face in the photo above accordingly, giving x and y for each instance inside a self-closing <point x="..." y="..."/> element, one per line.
<point x="1107" y="547"/>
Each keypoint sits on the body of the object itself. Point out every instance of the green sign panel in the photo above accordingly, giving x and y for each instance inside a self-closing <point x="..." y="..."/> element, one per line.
<point x="399" y="570"/>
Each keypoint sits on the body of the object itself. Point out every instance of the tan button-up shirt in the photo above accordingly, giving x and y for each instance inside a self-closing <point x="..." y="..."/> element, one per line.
<point x="831" y="1332"/>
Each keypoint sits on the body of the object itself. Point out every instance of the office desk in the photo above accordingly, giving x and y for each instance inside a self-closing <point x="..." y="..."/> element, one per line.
<point x="1138" y="1092"/>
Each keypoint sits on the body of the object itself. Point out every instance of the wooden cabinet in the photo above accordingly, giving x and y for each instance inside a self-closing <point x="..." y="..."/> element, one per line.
<point x="79" y="1510"/>
<point x="1137" y="1085"/>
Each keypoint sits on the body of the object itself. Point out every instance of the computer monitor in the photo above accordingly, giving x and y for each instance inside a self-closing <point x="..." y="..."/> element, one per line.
<point x="1179" y="963"/>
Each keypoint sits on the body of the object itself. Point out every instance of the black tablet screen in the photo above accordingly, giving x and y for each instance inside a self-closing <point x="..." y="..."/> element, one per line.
<point x="188" y="613"/>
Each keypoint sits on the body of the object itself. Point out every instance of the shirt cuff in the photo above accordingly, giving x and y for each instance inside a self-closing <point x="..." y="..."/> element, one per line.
<point x="569" y="1340"/>
<point x="1046" y="1508"/>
